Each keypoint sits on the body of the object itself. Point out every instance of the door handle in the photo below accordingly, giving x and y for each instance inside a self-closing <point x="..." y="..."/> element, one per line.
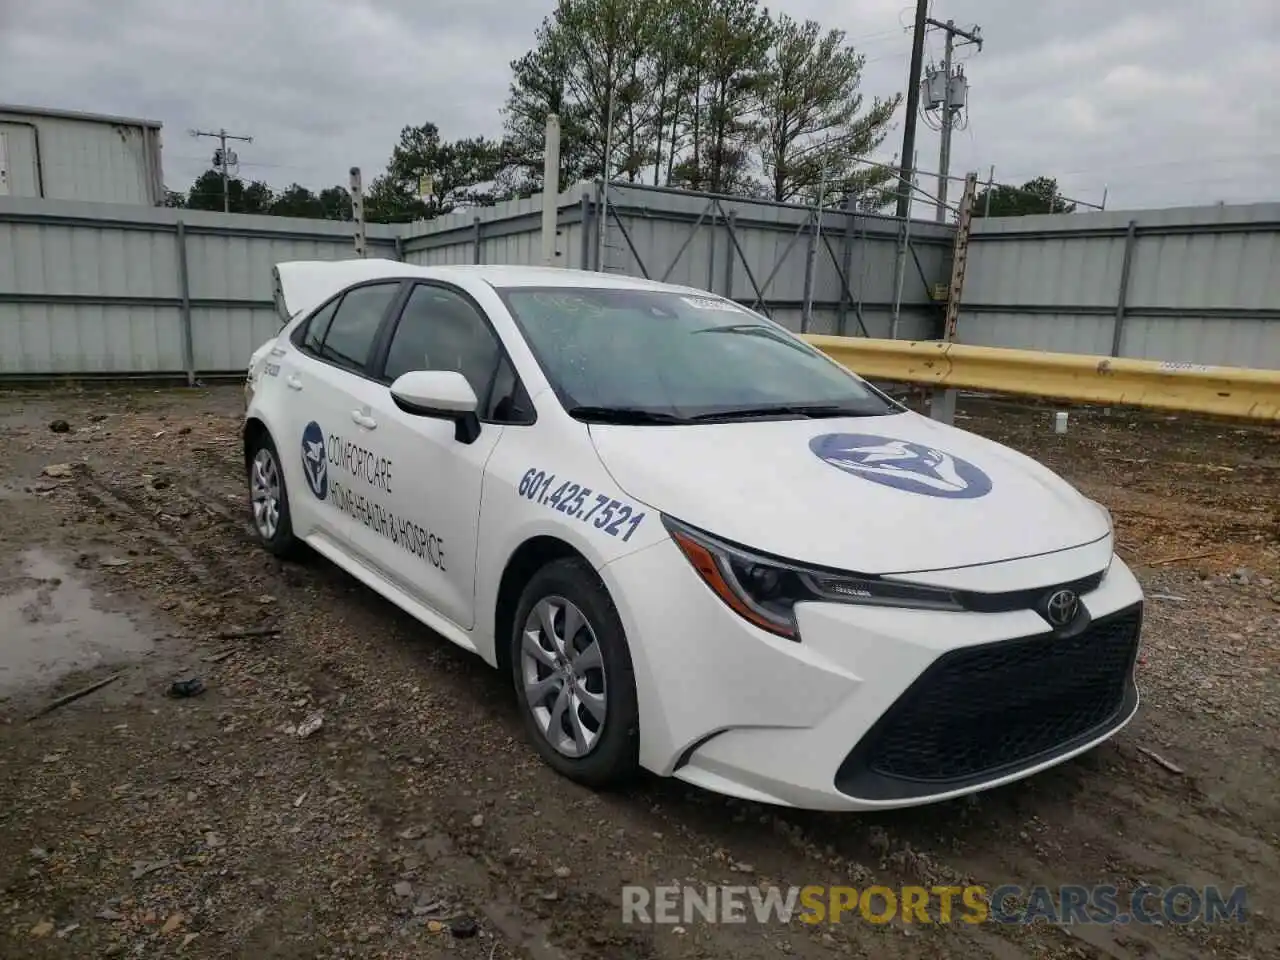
<point x="293" y="383"/>
<point x="364" y="421"/>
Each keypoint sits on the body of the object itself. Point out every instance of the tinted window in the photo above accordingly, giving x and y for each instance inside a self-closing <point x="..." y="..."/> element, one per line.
<point x="680" y="355"/>
<point x="354" y="326"/>
<point x="440" y="330"/>
<point x="317" y="327"/>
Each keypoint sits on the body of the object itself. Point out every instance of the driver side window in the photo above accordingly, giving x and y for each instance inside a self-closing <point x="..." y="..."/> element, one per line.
<point x="441" y="330"/>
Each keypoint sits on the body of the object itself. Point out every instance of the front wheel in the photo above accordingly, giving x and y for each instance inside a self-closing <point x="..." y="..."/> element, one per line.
<point x="573" y="676"/>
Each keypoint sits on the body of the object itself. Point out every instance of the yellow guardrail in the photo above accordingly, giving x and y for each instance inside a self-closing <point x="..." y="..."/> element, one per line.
<point x="1188" y="387"/>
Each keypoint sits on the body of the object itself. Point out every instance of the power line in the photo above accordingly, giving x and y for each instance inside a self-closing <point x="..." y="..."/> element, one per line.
<point x="223" y="159"/>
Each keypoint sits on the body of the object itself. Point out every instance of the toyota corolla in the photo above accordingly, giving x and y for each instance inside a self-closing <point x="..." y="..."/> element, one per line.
<point x="695" y="543"/>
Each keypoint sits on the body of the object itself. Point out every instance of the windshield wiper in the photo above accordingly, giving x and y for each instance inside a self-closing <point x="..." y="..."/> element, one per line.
<point x="814" y="410"/>
<point x="624" y="415"/>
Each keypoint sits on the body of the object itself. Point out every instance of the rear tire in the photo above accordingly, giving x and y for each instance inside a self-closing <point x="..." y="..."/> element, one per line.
<point x="573" y="676"/>
<point x="269" y="499"/>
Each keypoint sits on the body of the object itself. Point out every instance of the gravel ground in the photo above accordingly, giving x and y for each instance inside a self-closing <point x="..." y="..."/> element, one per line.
<point x="416" y="822"/>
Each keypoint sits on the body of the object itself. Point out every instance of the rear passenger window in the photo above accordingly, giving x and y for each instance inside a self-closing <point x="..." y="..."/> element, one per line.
<point x="317" y="327"/>
<point x="351" y="332"/>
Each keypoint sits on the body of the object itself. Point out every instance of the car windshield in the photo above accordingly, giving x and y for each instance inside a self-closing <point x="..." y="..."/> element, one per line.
<point x="659" y="356"/>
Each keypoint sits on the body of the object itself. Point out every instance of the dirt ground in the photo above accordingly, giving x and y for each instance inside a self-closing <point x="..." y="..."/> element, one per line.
<point x="416" y="822"/>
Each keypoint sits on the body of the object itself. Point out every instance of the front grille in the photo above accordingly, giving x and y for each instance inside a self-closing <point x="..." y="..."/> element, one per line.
<point x="987" y="710"/>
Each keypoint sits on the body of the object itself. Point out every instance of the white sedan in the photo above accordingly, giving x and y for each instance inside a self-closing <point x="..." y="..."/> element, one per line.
<point x="695" y="543"/>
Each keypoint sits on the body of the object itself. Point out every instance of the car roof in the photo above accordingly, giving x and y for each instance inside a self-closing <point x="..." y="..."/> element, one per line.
<point x="304" y="284"/>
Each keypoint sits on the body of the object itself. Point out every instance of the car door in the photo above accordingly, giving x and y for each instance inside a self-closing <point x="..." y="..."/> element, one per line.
<point x="334" y="475"/>
<point x="438" y="478"/>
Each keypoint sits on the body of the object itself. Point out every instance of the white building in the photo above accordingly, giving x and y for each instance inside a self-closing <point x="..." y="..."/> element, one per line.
<point x="63" y="155"/>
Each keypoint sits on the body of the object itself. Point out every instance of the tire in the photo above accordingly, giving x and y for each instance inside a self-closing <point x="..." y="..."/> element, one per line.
<point x="277" y="538"/>
<point x="566" y="588"/>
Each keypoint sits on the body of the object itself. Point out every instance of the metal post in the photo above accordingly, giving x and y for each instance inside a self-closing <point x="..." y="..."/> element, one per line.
<point x="810" y="255"/>
<point x="1122" y="297"/>
<point x="184" y="308"/>
<point x="603" y="226"/>
<point x="846" y="255"/>
<point x="991" y="183"/>
<point x="477" y="240"/>
<point x="900" y="270"/>
<point x="711" y="249"/>
<point x="226" y="189"/>
<point x="550" y="190"/>
<point x="585" y="252"/>
<point x="728" y="255"/>
<point x="357" y="210"/>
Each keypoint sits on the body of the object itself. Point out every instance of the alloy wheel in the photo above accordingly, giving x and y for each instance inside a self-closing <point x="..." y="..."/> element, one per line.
<point x="563" y="673"/>
<point x="264" y="492"/>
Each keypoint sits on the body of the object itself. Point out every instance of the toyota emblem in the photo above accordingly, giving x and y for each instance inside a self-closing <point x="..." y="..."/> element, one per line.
<point x="1061" y="607"/>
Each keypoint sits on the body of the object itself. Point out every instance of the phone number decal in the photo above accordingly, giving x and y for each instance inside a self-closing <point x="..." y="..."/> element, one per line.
<point x="614" y="517"/>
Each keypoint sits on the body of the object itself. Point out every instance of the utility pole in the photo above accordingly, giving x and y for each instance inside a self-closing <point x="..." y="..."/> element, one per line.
<point x="602" y="231"/>
<point x="906" y="172"/>
<point x="954" y="95"/>
<point x="223" y="160"/>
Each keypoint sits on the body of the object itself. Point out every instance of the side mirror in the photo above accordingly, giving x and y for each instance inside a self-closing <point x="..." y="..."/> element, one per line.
<point x="441" y="395"/>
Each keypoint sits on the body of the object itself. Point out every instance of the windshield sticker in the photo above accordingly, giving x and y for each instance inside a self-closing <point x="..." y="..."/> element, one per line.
<point x="614" y="517"/>
<point x="709" y="303"/>
<point x="903" y="465"/>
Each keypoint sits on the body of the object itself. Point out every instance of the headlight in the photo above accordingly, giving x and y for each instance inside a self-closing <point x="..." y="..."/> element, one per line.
<point x="765" y="591"/>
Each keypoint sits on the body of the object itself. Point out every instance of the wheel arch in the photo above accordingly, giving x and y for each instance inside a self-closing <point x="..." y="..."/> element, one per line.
<point x="527" y="559"/>
<point x="253" y="431"/>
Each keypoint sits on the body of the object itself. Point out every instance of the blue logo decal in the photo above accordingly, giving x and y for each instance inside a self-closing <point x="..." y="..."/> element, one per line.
<point x="913" y="467"/>
<point x="314" y="463"/>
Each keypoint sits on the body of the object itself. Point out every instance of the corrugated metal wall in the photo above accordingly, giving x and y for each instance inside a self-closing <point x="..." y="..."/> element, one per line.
<point x="102" y="289"/>
<point x="99" y="288"/>
<point x="82" y="159"/>
<point x="1194" y="284"/>
<point x="748" y="250"/>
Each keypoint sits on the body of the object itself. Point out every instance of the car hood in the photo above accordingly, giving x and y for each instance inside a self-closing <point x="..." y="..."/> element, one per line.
<point x="892" y="494"/>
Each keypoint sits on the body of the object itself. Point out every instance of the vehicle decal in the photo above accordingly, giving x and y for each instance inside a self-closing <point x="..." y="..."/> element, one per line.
<point x="711" y="303"/>
<point x="271" y="369"/>
<point x="608" y="514"/>
<point x="903" y="465"/>
<point x="374" y="472"/>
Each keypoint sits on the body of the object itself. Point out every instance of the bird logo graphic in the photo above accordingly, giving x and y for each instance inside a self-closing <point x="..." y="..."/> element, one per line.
<point x="315" y="465"/>
<point x="913" y="467"/>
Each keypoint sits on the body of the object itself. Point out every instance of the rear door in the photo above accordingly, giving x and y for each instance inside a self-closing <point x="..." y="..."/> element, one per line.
<point x="330" y="455"/>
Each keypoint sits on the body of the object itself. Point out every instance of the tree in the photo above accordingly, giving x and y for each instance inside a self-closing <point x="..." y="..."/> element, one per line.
<point x="174" y="198"/>
<point x="297" y="201"/>
<point x="1039" y="195"/>
<point x="206" y="194"/>
<point x="538" y="89"/>
<point x="427" y="176"/>
<point x="336" y="203"/>
<point x="810" y="132"/>
<point x="727" y="44"/>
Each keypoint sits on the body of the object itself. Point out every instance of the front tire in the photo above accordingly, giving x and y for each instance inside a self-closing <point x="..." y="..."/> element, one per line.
<point x="573" y="676"/>
<point x="269" y="499"/>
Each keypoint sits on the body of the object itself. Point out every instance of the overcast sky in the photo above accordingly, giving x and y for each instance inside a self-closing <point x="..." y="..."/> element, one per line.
<point x="1163" y="102"/>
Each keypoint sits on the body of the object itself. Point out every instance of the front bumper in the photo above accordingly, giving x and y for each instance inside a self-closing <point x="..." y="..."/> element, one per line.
<point x="875" y="707"/>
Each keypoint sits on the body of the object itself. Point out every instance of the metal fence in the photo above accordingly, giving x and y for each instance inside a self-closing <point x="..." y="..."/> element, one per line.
<point x="836" y="273"/>
<point x="1195" y="285"/>
<point x="109" y="289"/>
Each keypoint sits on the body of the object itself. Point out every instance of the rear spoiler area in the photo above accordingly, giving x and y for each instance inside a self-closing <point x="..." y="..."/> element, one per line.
<point x="302" y="285"/>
